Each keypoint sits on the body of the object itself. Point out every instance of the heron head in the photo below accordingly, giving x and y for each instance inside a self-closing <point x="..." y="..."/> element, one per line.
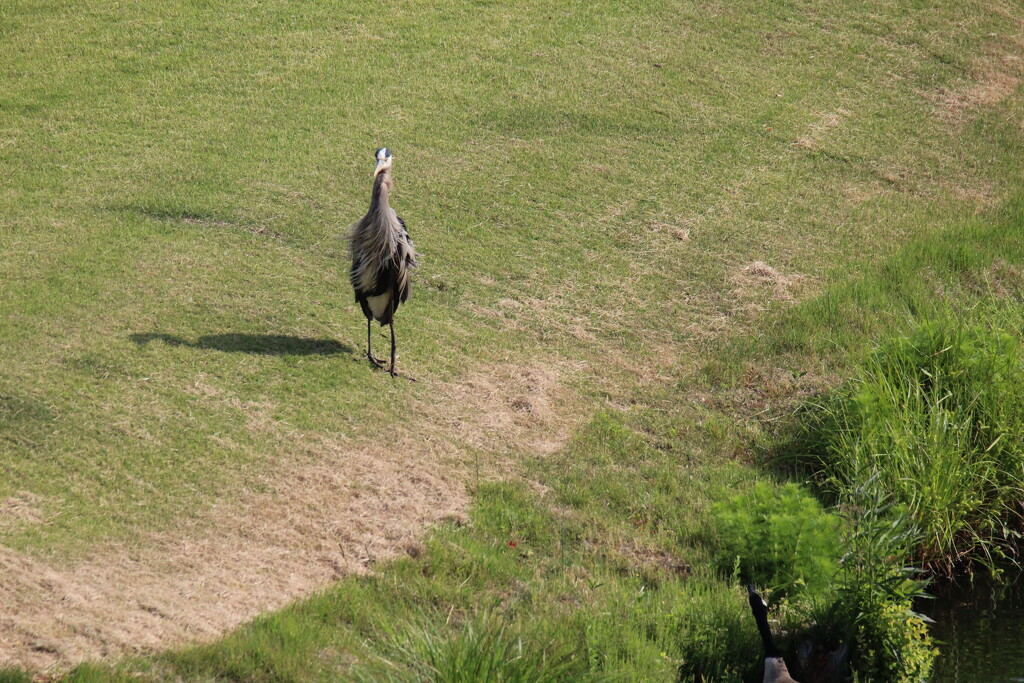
<point x="384" y="158"/>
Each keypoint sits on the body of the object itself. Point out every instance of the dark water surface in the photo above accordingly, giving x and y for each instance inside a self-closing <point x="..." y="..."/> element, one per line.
<point x="982" y="630"/>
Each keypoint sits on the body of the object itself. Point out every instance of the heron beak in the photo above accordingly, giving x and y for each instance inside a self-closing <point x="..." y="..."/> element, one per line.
<point x="382" y="164"/>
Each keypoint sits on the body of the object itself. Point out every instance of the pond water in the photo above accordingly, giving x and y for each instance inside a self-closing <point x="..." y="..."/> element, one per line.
<point x="982" y="631"/>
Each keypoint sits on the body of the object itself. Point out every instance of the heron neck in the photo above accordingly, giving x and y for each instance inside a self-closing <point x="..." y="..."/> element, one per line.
<point x="381" y="188"/>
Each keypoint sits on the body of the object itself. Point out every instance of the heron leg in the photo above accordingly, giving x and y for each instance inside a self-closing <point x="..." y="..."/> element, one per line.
<point x="369" y="353"/>
<point x="392" y="326"/>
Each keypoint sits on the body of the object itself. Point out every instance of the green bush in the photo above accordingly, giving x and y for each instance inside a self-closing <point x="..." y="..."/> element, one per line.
<point x="876" y="588"/>
<point x="893" y="645"/>
<point x="781" y="536"/>
<point x="847" y="572"/>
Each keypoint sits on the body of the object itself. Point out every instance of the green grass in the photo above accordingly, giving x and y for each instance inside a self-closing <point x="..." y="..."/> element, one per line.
<point x="182" y="172"/>
<point x="176" y="316"/>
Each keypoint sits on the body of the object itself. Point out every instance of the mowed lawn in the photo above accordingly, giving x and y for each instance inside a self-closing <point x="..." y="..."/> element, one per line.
<point x="601" y="192"/>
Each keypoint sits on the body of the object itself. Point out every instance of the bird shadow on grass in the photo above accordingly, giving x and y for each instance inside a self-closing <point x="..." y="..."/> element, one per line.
<point x="259" y="344"/>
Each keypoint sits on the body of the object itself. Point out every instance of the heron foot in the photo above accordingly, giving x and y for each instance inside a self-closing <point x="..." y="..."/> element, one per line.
<point x="379" y="363"/>
<point x="395" y="373"/>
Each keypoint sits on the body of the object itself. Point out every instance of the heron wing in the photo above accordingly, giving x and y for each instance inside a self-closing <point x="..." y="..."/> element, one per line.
<point x="405" y="260"/>
<point x="380" y="274"/>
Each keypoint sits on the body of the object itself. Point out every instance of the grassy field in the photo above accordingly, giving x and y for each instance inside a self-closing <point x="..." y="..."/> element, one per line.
<point x="618" y="205"/>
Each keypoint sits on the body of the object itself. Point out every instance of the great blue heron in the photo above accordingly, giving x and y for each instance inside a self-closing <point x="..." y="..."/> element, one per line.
<point x="382" y="256"/>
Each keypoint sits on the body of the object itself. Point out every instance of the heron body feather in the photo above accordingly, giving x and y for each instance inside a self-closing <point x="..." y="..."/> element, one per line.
<point x="379" y="305"/>
<point x="382" y="256"/>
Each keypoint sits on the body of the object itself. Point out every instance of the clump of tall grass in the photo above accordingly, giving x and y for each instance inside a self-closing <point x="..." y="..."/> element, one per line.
<point x="14" y="676"/>
<point x="716" y="634"/>
<point x="936" y="417"/>
<point x="484" y="648"/>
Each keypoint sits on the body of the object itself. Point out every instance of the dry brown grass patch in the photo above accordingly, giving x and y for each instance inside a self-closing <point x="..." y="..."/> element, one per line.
<point x="993" y="78"/>
<point x="1002" y="279"/>
<point x="767" y="393"/>
<point x="651" y="562"/>
<point x="24" y="507"/>
<point x="680" y="232"/>
<point x="331" y="506"/>
<point x="506" y="408"/>
<point x="757" y="279"/>
<point x="826" y="122"/>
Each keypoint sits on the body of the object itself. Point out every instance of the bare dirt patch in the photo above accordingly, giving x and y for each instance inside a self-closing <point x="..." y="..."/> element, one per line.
<point x="333" y="507"/>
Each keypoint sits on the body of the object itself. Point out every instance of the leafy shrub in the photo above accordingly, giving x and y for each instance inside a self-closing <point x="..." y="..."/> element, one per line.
<point x="893" y="645"/>
<point x="781" y="535"/>
<point x="876" y="588"/>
